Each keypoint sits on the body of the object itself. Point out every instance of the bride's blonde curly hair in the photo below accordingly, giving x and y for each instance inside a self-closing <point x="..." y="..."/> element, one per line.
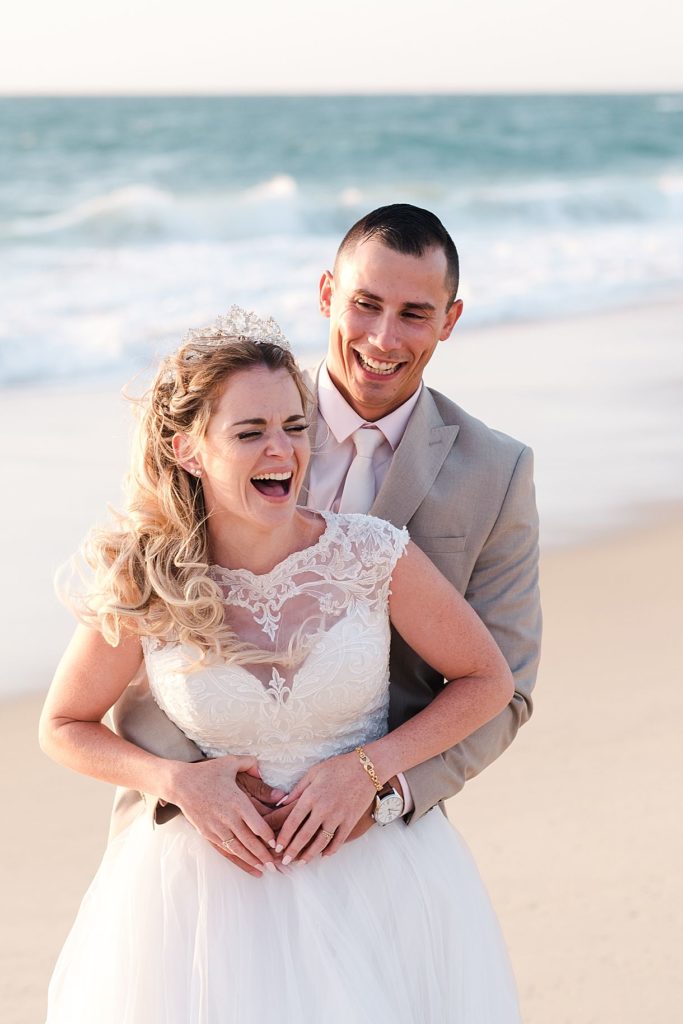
<point x="151" y="570"/>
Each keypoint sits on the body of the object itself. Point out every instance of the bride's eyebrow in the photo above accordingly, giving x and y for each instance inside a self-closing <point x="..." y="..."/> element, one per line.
<point x="260" y="422"/>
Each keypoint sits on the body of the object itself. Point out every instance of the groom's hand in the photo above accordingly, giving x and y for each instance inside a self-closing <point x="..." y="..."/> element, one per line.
<point x="263" y="796"/>
<point x="265" y="800"/>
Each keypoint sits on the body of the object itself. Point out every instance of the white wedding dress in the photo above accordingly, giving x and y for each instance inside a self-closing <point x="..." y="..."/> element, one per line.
<point x="396" y="928"/>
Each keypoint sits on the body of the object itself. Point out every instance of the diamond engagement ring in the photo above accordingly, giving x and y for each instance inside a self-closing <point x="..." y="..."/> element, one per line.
<point x="227" y="842"/>
<point x="330" y="835"/>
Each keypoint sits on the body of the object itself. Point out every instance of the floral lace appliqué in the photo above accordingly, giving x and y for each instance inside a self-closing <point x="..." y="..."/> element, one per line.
<point x="328" y="606"/>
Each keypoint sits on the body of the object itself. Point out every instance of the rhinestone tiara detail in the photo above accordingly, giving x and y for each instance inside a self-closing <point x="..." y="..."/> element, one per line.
<point x="239" y="323"/>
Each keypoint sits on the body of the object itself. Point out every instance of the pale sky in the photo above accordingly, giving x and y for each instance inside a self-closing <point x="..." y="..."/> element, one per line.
<point x="176" y="46"/>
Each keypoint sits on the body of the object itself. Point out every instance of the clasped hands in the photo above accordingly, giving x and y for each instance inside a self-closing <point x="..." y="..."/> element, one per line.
<point x="225" y="799"/>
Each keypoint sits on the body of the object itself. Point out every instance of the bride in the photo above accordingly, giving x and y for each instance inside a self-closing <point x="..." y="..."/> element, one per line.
<point x="264" y="629"/>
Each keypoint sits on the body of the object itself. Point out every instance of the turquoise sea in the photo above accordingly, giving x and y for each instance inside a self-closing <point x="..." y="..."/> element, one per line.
<point x="125" y="220"/>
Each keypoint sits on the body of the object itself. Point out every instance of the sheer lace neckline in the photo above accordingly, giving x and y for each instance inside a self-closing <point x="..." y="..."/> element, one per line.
<point x="313" y="679"/>
<point x="289" y="562"/>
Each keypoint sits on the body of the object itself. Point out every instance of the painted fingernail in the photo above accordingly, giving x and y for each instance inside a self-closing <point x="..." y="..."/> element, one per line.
<point x="271" y="844"/>
<point x="286" y="860"/>
<point x="280" y="802"/>
<point x="279" y="848"/>
<point x="270" y="867"/>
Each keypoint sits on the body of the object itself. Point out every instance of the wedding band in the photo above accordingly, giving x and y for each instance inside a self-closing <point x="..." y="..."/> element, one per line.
<point x="330" y="835"/>
<point x="227" y="842"/>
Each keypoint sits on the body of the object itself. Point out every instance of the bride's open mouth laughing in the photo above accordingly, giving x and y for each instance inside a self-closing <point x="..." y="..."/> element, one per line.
<point x="273" y="485"/>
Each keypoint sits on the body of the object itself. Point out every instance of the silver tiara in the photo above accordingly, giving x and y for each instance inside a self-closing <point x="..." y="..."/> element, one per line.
<point x="239" y="323"/>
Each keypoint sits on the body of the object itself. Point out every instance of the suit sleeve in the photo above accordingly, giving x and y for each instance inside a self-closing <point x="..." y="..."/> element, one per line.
<point x="137" y="718"/>
<point x="503" y="590"/>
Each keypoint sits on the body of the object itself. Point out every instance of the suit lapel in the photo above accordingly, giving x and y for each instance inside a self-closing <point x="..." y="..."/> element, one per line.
<point x="416" y="463"/>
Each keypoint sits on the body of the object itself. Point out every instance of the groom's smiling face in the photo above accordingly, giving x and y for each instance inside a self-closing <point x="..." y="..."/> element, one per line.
<point x="387" y="311"/>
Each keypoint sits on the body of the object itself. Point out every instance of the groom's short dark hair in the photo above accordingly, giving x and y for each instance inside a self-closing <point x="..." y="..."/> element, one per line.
<point x="409" y="230"/>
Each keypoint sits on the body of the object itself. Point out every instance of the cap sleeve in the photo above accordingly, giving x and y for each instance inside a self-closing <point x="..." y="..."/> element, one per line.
<point x="377" y="545"/>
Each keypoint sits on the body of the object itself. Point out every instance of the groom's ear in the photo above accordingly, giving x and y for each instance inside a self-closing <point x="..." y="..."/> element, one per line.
<point x="325" y="292"/>
<point x="452" y="317"/>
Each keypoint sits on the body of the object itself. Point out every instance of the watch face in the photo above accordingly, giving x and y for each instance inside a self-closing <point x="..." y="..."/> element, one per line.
<point x="388" y="808"/>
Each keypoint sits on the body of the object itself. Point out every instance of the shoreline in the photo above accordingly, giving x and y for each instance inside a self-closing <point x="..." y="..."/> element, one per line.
<point x="574" y="829"/>
<point x="664" y="300"/>
<point x="605" y="420"/>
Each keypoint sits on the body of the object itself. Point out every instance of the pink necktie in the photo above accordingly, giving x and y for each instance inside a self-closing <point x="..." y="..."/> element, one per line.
<point x="359" y="488"/>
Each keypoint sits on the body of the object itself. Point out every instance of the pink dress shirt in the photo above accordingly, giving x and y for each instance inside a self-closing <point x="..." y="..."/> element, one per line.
<point x="333" y="446"/>
<point x="334" y="451"/>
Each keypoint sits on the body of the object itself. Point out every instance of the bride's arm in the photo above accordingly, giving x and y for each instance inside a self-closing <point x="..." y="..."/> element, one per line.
<point x="90" y="678"/>
<point x="440" y="626"/>
<point x="437" y="623"/>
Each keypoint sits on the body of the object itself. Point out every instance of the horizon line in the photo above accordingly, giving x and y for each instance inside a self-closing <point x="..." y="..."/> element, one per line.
<point x="327" y="94"/>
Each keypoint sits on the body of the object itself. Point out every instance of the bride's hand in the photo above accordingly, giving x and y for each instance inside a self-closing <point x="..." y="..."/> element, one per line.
<point x="331" y="798"/>
<point x="212" y="801"/>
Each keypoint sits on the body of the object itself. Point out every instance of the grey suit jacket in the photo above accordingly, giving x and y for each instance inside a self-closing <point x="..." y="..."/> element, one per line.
<point x="466" y="494"/>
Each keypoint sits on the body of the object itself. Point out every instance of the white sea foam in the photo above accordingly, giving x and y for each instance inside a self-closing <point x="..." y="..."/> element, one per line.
<point x="131" y="221"/>
<point x="140" y="213"/>
<point x="671" y="184"/>
<point x="74" y="309"/>
<point x="282" y="186"/>
<point x="137" y="204"/>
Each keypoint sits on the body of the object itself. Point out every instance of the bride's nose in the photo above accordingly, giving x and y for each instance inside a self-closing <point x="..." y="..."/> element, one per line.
<point x="279" y="444"/>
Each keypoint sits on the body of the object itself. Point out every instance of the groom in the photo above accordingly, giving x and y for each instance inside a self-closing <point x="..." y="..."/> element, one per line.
<point x="387" y="444"/>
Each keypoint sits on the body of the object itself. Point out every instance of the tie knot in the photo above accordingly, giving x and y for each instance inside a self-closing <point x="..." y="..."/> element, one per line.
<point x="367" y="440"/>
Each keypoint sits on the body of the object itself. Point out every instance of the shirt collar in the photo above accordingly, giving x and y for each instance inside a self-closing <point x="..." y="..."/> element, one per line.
<point x="343" y="420"/>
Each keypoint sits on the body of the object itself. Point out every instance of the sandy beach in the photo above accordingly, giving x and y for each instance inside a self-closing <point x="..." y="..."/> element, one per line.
<point x="576" y="829"/>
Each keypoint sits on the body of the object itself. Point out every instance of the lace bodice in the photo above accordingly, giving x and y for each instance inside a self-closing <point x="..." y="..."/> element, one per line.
<point x="322" y="614"/>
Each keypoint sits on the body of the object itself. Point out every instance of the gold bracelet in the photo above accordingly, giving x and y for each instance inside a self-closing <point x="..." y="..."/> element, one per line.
<point x="369" y="768"/>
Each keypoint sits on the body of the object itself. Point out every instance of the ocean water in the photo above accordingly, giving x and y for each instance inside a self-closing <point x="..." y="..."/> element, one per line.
<point x="123" y="221"/>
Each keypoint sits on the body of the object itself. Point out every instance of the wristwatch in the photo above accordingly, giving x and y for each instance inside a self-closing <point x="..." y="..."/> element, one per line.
<point x="388" y="803"/>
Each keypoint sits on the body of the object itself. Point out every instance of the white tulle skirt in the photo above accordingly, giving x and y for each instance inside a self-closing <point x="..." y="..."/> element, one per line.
<point x="394" y="929"/>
